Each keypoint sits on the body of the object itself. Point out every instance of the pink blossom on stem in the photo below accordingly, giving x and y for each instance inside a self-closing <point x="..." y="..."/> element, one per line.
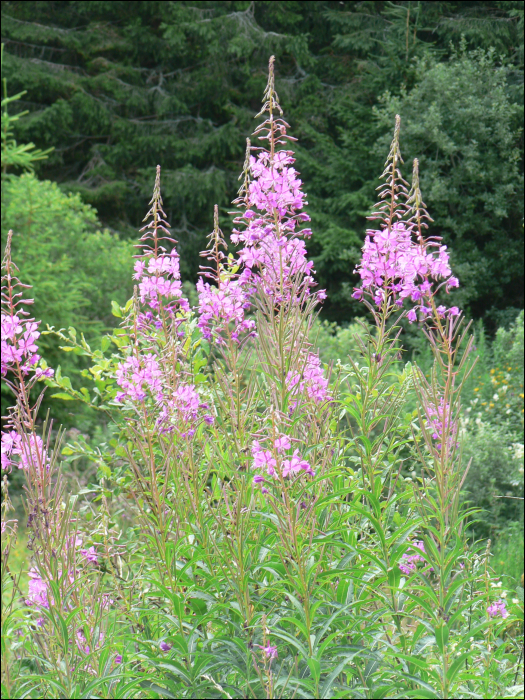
<point x="269" y="651"/>
<point x="138" y="376"/>
<point x="90" y="555"/>
<point x="224" y="307"/>
<point x="263" y="459"/>
<point x="498" y="609"/>
<point x="23" y="451"/>
<point x="409" y="561"/>
<point x="396" y="267"/>
<point x="296" y="464"/>
<point x="157" y="270"/>
<point x="19" y="346"/>
<point x="37" y="590"/>
<point x="440" y="422"/>
<point x="311" y="381"/>
<point x="274" y="249"/>
<point x="266" y="460"/>
<point x="282" y="443"/>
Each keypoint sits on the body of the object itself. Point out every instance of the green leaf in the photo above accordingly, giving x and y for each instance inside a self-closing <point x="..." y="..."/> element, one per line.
<point x="115" y="309"/>
<point x="64" y="397"/>
<point x="441" y="632"/>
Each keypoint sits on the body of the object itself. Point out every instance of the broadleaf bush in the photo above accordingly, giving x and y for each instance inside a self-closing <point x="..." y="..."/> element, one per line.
<point x="261" y="525"/>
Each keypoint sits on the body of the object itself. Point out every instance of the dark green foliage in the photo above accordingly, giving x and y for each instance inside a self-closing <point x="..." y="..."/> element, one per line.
<point x="74" y="268"/>
<point x="118" y="87"/>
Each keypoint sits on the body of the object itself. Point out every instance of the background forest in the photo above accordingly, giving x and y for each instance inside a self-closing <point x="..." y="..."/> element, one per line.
<point x="103" y="91"/>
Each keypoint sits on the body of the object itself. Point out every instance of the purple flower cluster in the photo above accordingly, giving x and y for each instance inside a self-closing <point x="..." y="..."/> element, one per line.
<point x="37" y="590"/>
<point x="223" y="305"/>
<point x="137" y="376"/>
<point x="274" y="461"/>
<point x="311" y="380"/>
<point x="188" y="406"/>
<point x="159" y="276"/>
<point x="396" y="268"/>
<point x="409" y="561"/>
<point x="274" y="251"/>
<point x="142" y="376"/>
<point x="23" y="451"/>
<point x="269" y="651"/>
<point x="18" y="345"/>
<point x="498" y="609"/>
<point x="439" y="422"/>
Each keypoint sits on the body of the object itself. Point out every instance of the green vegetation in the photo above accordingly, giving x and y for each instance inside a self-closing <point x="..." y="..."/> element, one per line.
<point x="96" y="94"/>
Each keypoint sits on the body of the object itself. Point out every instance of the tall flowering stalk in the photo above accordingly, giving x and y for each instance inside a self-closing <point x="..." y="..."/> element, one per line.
<point x="403" y="266"/>
<point x="271" y="445"/>
<point x="167" y="411"/>
<point x="61" y="579"/>
<point x="22" y="368"/>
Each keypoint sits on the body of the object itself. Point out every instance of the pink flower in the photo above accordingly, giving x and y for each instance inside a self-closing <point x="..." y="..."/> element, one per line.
<point x="395" y="265"/>
<point x="37" y="590"/>
<point x="90" y="554"/>
<point x="498" y="609"/>
<point x="296" y="464"/>
<point x="312" y="382"/>
<point x="222" y="308"/>
<point x="409" y="561"/>
<point x="139" y="376"/>
<point x="18" y="344"/>
<point x="29" y="451"/>
<point x="269" y="651"/>
<point x="282" y="443"/>
<point x="269" y="228"/>
<point x="263" y="459"/>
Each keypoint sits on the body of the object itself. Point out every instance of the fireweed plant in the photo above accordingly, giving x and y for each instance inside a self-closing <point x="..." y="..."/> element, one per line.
<point x="253" y="531"/>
